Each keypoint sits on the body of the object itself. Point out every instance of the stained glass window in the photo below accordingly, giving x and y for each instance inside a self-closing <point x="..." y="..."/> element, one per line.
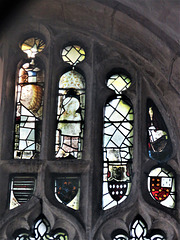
<point x="139" y="231"/>
<point x="159" y="142"/>
<point x="41" y="231"/>
<point x="71" y="107"/>
<point x="117" y="144"/>
<point x="67" y="191"/>
<point x="22" y="189"/>
<point x="29" y="104"/>
<point x="161" y="186"/>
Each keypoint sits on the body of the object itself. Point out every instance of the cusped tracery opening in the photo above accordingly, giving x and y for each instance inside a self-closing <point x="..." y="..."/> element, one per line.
<point x="41" y="230"/>
<point x="138" y="231"/>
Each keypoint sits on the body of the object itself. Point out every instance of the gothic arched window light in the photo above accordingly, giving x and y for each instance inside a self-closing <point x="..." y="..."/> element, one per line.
<point x="117" y="143"/>
<point x="29" y="103"/>
<point x="138" y="231"/>
<point x="71" y="107"/>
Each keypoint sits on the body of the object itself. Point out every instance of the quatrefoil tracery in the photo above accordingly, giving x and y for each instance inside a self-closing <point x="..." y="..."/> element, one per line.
<point x="41" y="231"/>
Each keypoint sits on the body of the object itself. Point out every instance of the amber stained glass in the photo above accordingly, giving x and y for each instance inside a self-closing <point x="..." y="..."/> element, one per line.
<point x="32" y="46"/>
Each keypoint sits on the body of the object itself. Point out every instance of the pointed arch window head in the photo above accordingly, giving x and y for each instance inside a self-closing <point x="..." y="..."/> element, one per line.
<point x="117" y="144"/>
<point x="138" y="231"/>
<point x="32" y="46"/>
<point x="41" y="231"/>
<point x="161" y="186"/>
<point x="159" y="142"/>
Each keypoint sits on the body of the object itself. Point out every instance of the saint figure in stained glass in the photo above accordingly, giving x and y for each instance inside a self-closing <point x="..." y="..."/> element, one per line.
<point x="29" y="108"/>
<point x="70" y="115"/>
<point x="117" y="144"/>
<point x="29" y="103"/>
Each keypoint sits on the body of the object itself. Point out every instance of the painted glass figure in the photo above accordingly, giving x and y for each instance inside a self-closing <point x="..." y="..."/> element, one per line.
<point x="29" y="110"/>
<point x="29" y="103"/>
<point x="70" y="115"/>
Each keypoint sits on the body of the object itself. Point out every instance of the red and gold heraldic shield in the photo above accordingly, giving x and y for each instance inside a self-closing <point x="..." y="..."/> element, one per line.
<point x="160" y="187"/>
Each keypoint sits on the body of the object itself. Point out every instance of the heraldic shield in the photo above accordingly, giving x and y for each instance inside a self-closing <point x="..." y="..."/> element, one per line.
<point x="66" y="189"/>
<point x="118" y="180"/>
<point x="160" y="187"/>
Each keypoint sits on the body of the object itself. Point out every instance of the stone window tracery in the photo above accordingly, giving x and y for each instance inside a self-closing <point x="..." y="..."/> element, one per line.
<point x="69" y="179"/>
